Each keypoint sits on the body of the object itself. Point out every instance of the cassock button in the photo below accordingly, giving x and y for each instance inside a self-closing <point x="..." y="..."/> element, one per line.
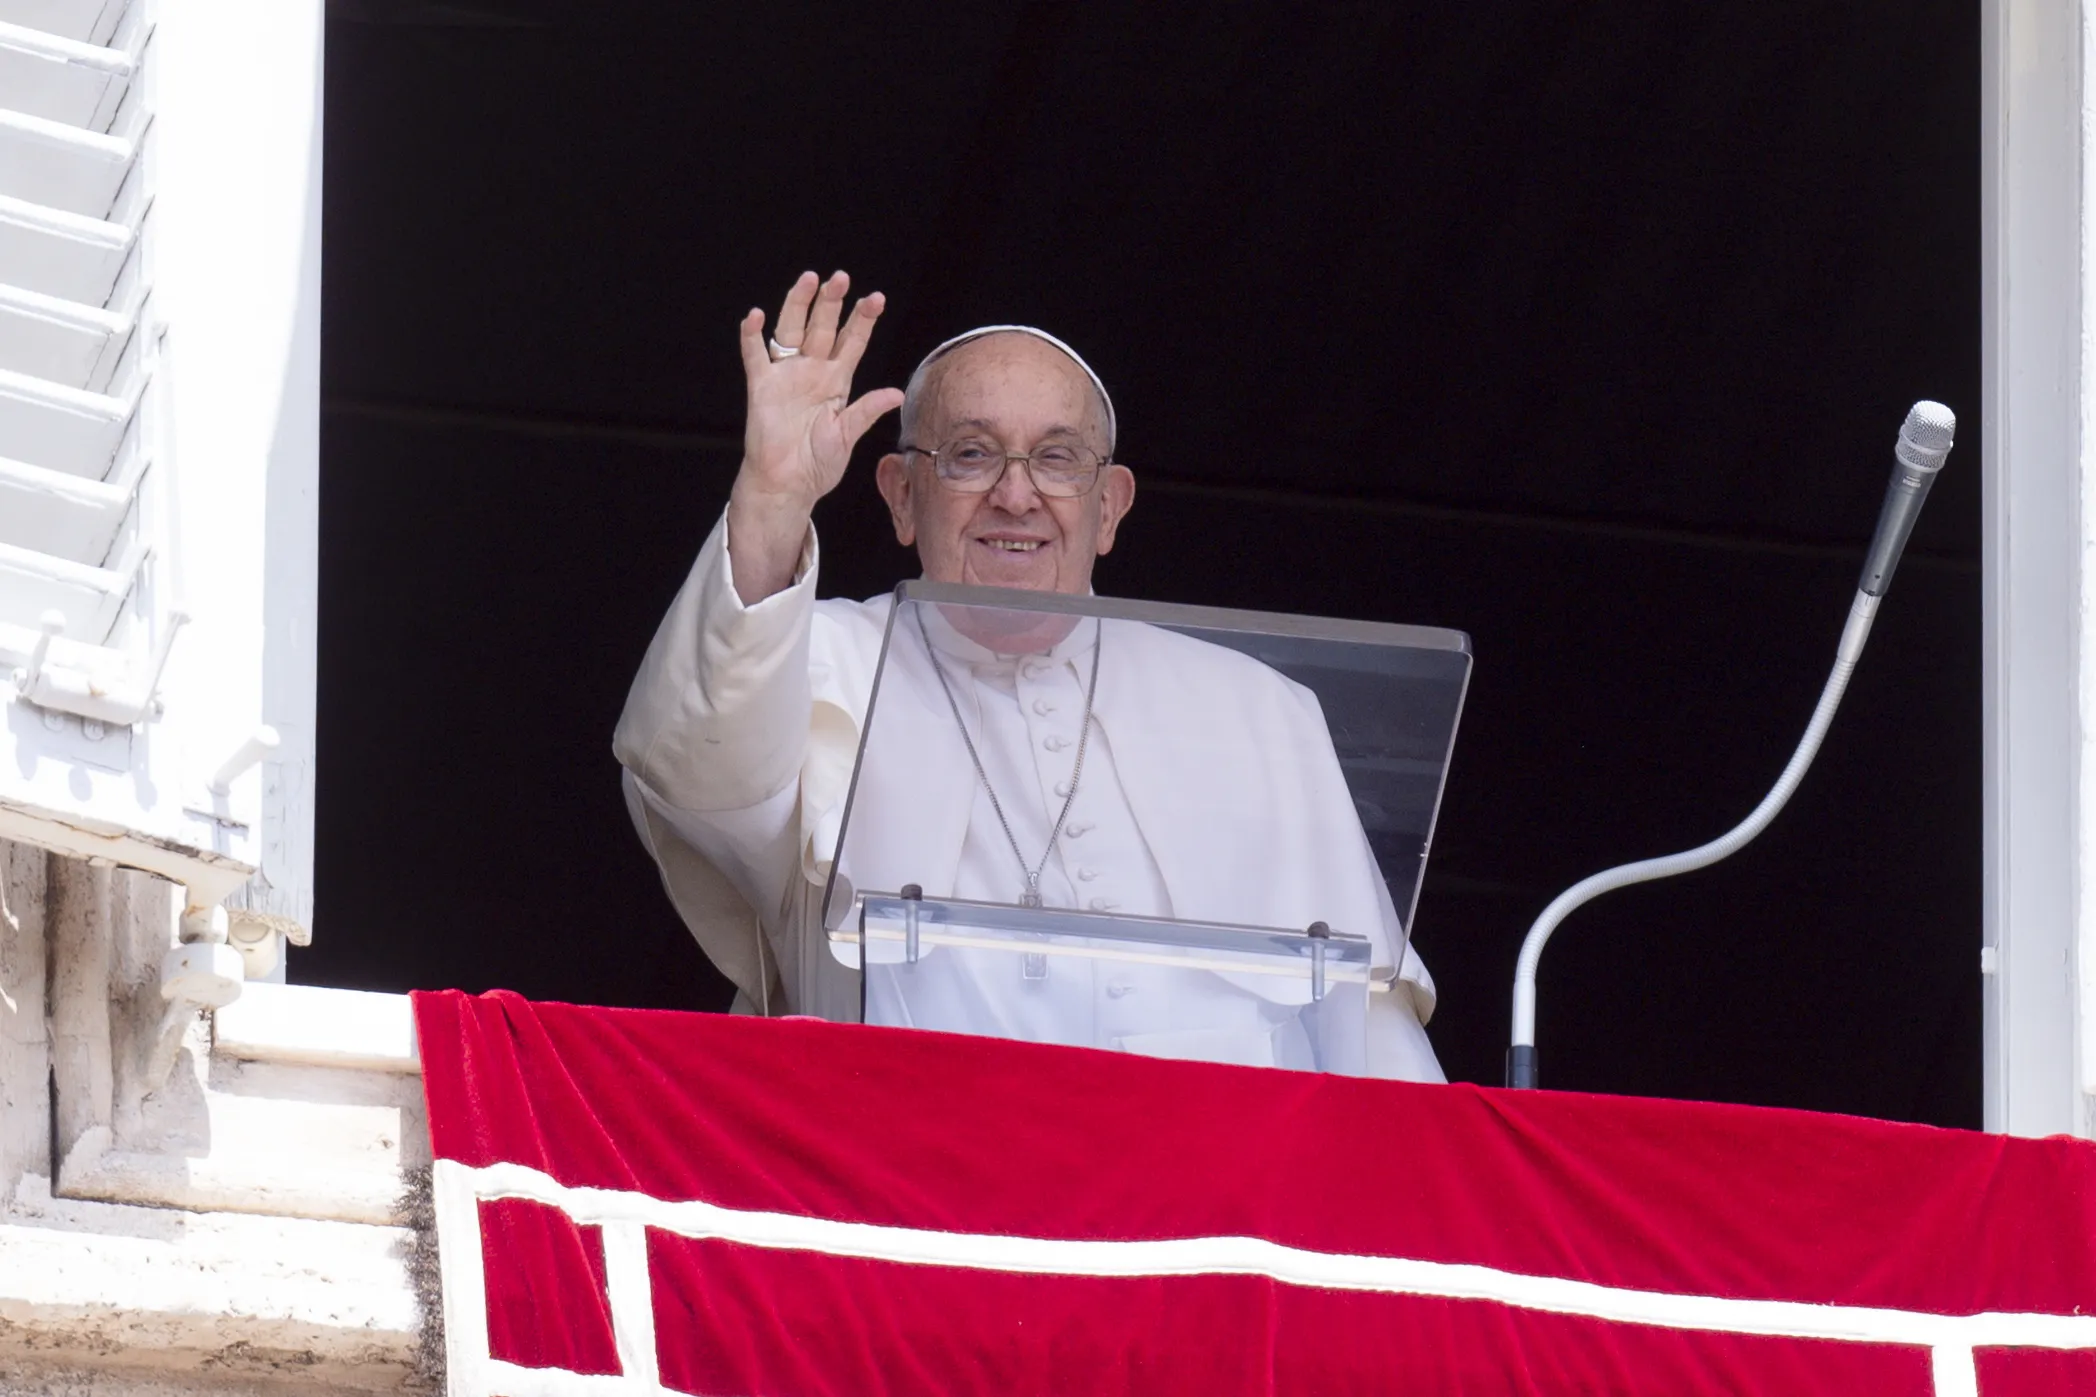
<point x="1055" y="743"/>
<point x="1104" y="904"/>
<point x="1118" y="988"/>
<point x="1078" y="829"/>
<point x="1087" y="874"/>
<point x="1034" y="669"/>
<point x="1043" y="707"/>
<point x="1062" y="788"/>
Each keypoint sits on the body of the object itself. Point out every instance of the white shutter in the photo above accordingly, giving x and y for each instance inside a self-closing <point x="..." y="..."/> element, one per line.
<point x="69" y="81"/>
<point x="159" y="395"/>
<point x="86" y="21"/>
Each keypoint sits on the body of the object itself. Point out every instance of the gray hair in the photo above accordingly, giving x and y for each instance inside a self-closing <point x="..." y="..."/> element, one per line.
<point x="913" y="394"/>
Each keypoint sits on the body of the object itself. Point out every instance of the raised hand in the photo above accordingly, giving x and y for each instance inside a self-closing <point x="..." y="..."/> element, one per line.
<point x="801" y="427"/>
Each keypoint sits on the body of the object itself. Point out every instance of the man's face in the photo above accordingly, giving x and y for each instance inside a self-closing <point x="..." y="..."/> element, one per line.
<point x="1020" y="393"/>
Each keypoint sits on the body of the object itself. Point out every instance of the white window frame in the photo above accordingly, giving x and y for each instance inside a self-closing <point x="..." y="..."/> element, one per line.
<point x="2039" y="767"/>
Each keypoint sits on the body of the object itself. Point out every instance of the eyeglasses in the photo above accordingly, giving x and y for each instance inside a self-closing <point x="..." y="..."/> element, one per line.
<point x="974" y="465"/>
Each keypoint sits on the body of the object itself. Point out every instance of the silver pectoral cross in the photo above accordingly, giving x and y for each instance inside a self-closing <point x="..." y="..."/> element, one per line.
<point x="1034" y="965"/>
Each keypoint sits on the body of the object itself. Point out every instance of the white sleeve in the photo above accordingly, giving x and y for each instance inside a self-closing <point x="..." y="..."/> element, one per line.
<point x="716" y="724"/>
<point x="717" y="718"/>
<point x="1398" y="1047"/>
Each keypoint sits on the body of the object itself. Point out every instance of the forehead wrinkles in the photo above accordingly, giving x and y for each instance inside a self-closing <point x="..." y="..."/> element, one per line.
<point x="979" y="378"/>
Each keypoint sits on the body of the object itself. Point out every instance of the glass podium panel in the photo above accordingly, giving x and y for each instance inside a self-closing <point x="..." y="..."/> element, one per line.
<point x="1254" y="996"/>
<point x="1173" y="830"/>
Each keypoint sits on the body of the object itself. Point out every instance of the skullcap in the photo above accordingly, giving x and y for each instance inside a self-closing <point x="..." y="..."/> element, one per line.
<point x="1112" y="426"/>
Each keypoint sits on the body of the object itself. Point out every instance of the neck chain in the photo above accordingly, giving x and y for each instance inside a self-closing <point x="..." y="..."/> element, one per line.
<point x="1031" y="896"/>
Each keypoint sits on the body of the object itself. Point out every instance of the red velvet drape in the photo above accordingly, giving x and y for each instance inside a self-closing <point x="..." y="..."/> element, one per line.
<point x="945" y="1134"/>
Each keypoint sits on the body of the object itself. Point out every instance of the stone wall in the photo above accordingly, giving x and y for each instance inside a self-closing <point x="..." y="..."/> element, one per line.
<point x="233" y="1226"/>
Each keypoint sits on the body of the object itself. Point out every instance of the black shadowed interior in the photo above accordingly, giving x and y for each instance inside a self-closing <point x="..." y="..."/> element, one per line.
<point x="1586" y="329"/>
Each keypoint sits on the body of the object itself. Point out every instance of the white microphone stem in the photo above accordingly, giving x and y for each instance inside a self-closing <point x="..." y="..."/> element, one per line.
<point x="1861" y="612"/>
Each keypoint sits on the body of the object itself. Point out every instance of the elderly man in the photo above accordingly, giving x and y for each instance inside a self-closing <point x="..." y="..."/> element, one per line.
<point x="741" y="728"/>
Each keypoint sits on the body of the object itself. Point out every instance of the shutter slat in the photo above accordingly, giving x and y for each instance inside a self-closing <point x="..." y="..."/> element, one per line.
<point x="62" y="429"/>
<point x="61" y="79"/>
<point x="86" y="21"/>
<point x="68" y="343"/>
<point x="49" y="162"/>
<point x="61" y="254"/>
<point x="69" y="518"/>
<point x="89" y="598"/>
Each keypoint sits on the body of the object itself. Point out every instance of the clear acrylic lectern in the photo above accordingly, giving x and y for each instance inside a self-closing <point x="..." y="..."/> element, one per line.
<point x="1170" y="830"/>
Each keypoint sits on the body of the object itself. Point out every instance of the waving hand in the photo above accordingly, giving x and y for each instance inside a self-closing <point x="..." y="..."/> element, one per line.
<point x="801" y="427"/>
<point x="802" y="424"/>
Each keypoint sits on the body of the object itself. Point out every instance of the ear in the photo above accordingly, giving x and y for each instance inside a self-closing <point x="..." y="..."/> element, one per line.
<point x="893" y="477"/>
<point x="1116" y="498"/>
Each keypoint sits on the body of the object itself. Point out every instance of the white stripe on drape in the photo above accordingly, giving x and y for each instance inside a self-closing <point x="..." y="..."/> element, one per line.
<point x="1950" y="1339"/>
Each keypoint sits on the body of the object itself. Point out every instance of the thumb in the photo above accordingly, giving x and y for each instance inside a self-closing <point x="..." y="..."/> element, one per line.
<point x="750" y="339"/>
<point x="871" y="407"/>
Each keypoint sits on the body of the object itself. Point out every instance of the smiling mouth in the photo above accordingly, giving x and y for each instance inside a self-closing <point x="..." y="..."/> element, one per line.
<point x="1013" y="545"/>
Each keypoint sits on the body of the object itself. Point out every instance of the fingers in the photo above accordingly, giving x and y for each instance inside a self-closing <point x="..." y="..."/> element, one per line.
<point x="871" y="407"/>
<point x="859" y="328"/>
<point x="750" y="335"/>
<point x="793" y="313"/>
<point x="822" y="320"/>
<point x="808" y="322"/>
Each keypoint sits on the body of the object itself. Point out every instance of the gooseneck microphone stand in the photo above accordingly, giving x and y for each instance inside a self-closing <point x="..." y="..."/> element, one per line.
<point x="1924" y="441"/>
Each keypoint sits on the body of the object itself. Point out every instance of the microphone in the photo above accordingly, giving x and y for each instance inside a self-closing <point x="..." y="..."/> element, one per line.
<point x="1924" y="441"/>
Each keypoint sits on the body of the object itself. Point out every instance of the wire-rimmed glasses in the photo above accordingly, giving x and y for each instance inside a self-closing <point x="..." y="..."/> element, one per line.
<point x="974" y="465"/>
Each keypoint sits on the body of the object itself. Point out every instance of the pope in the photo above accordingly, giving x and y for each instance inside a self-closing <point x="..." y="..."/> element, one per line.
<point x="1063" y="774"/>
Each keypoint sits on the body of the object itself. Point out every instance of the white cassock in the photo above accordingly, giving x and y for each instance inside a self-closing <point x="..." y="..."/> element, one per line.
<point x="1210" y="792"/>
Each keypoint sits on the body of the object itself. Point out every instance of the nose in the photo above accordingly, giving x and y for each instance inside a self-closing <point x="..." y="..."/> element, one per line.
<point x="1014" y="492"/>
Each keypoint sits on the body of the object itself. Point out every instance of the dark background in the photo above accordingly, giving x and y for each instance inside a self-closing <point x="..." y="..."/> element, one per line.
<point x="1584" y="328"/>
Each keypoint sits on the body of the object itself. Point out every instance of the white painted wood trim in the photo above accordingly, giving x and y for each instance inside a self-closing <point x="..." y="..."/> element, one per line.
<point x="60" y="340"/>
<point x="64" y="515"/>
<point x="88" y="21"/>
<point x="61" y="254"/>
<point x="61" y="166"/>
<point x="44" y="74"/>
<point x="63" y="429"/>
<point x="2030" y="422"/>
<point x="219" y="154"/>
<point x="124" y="837"/>
<point x="58" y="48"/>
<point x="236" y="261"/>
<point x="2081" y="950"/>
<point x="87" y="595"/>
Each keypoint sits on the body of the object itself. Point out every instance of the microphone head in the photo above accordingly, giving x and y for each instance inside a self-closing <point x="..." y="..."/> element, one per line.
<point x="1925" y="436"/>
